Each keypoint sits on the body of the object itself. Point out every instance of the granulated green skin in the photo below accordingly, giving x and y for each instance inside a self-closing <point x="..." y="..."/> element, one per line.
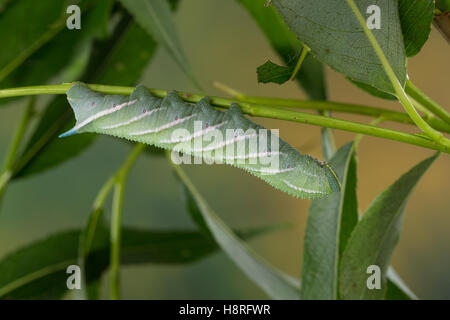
<point x="144" y="118"/>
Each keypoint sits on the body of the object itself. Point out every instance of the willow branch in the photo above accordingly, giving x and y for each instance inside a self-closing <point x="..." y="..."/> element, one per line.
<point x="256" y="110"/>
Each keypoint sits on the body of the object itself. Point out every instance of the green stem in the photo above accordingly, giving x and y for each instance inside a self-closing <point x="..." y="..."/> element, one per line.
<point x="388" y="115"/>
<point x="428" y="103"/>
<point x="115" y="240"/>
<point x="398" y="88"/>
<point x="7" y="171"/>
<point x="61" y="89"/>
<point x="251" y="109"/>
<point x="328" y="143"/>
<point x="116" y="219"/>
<point x="426" y="114"/>
<point x="302" y="58"/>
<point x="359" y="137"/>
<point x="88" y="237"/>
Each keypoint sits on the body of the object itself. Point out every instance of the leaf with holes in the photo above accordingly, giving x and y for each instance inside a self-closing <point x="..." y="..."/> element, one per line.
<point x="336" y="38"/>
<point x="270" y="72"/>
<point x="284" y="42"/>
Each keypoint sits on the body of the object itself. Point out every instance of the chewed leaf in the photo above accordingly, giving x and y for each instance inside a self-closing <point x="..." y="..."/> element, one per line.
<point x="331" y="30"/>
<point x="270" y="72"/>
<point x="203" y="132"/>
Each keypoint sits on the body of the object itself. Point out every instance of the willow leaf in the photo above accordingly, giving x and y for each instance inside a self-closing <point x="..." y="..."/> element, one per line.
<point x="276" y="284"/>
<point x="229" y="137"/>
<point x="39" y="270"/>
<point x="396" y="288"/>
<point x="113" y="61"/>
<point x="43" y="151"/>
<point x="43" y="20"/>
<point x="336" y="38"/>
<point x="373" y="240"/>
<point x="270" y="72"/>
<point x="285" y="43"/>
<point x="310" y="76"/>
<point x="443" y="5"/>
<point x="56" y="56"/>
<point x="155" y="17"/>
<point x="373" y="91"/>
<point x="330" y="222"/>
<point x="416" y="17"/>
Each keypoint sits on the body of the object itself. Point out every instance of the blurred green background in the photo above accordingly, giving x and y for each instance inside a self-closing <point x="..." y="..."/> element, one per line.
<point x="224" y="44"/>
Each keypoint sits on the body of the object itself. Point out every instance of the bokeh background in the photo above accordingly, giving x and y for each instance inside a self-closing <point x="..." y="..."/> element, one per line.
<point x="224" y="44"/>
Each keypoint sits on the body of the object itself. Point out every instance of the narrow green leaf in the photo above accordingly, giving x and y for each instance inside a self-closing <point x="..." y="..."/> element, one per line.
<point x="336" y="38"/>
<point x="38" y="271"/>
<point x="43" y="20"/>
<point x="331" y="221"/>
<point x="122" y="60"/>
<point x="396" y="288"/>
<point x="57" y="55"/>
<point x="286" y="44"/>
<point x="155" y="17"/>
<point x="416" y="17"/>
<point x="25" y="273"/>
<point x="113" y="61"/>
<point x="276" y="284"/>
<point x="42" y="151"/>
<point x="443" y="5"/>
<point x="270" y="72"/>
<point x="120" y="67"/>
<point x="374" y="238"/>
<point x="329" y="225"/>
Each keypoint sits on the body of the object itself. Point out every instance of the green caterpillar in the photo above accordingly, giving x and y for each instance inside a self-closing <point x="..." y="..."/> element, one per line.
<point x="174" y="124"/>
